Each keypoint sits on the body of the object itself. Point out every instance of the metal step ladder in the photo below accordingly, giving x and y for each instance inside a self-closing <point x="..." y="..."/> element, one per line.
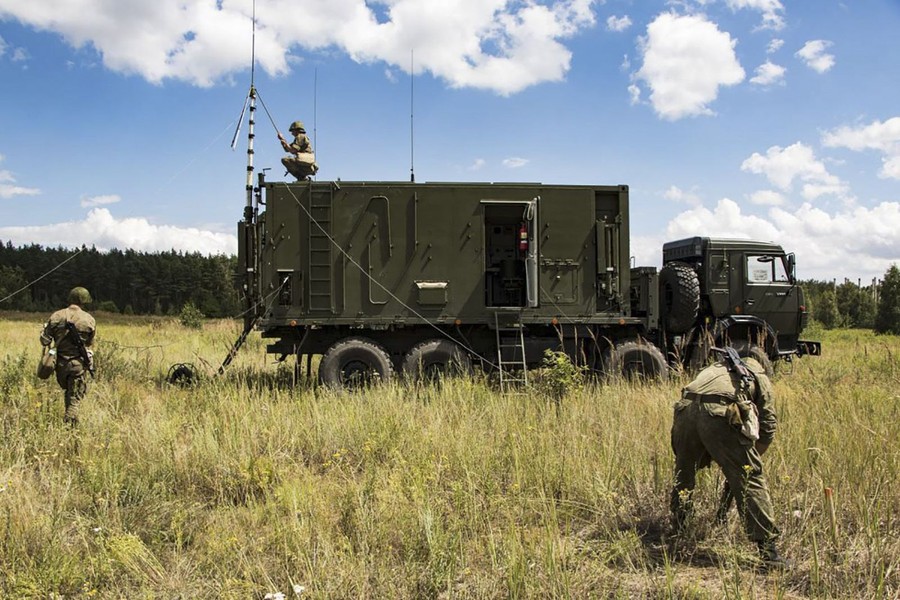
<point x="321" y="263"/>
<point x="511" y="350"/>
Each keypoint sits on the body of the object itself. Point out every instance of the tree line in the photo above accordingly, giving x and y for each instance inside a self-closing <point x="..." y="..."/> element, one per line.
<point x="161" y="283"/>
<point x="129" y="282"/>
<point x="853" y="305"/>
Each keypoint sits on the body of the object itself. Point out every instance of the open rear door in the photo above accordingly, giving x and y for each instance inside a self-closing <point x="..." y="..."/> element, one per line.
<point x="511" y="265"/>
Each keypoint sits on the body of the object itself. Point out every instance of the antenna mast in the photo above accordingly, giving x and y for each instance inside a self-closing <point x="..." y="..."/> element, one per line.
<point x="412" y="77"/>
<point x="252" y="119"/>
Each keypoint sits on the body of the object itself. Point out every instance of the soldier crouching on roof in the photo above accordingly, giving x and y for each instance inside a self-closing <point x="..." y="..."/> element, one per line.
<point x="720" y="418"/>
<point x="302" y="160"/>
<point x="73" y="358"/>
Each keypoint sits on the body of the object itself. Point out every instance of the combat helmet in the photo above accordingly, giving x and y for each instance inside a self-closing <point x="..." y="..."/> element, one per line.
<point x="80" y="296"/>
<point x="754" y="365"/>
<point x="297" y="126"/>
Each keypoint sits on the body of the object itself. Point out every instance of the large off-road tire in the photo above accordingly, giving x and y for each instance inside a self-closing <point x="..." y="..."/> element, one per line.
<point x="434" y="359"/>
<point x="355" y="362"/>
<point x="747" y="350"/>
<point x="679" y="293"/>
<point x="636" y="360"/>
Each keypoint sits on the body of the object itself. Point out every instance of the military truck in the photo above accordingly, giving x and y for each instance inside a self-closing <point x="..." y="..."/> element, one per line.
<point x="416" y="279"/>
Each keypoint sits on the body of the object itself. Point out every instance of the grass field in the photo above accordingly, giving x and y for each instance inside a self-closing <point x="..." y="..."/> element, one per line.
<point x="247" y="485"/>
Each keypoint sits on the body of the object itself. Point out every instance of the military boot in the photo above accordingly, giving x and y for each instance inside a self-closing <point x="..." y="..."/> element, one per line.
<point x="771" y="559"/>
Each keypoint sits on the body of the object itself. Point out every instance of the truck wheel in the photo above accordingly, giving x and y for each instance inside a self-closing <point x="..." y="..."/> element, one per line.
<point x="636" y="360"/>
<point x="432" y="359"/>
<point x="679" y="292"/>
<point x="748" y="350"/>
<point x="354" y="363"/>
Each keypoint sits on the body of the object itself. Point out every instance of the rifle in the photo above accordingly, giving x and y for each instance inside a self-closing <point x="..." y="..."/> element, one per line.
<point x="735" y="365"/>
<point x="79" y="345"/>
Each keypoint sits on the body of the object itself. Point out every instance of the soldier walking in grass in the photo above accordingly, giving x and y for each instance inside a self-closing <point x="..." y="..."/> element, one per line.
<point x="71" y="330"/>
<point x="726" y="415"/>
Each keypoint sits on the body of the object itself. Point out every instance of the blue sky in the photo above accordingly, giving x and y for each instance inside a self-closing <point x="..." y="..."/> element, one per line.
<point x="770" y="119"/>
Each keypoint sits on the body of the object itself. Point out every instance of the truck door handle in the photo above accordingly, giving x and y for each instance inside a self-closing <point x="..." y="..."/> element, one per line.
<point x="750" y="301"/>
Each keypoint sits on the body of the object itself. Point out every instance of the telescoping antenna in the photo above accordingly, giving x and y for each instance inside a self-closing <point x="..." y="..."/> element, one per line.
<point x="250" y="101"/>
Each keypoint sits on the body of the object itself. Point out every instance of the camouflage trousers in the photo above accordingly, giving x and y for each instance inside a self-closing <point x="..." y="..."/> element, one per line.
<point x="301" y="167"/>
<point x="699" y="438"/>
<point x="72" y="377"/>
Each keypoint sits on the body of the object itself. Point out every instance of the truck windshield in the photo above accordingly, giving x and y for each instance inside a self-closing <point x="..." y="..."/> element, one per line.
<point x="766" y="269"/>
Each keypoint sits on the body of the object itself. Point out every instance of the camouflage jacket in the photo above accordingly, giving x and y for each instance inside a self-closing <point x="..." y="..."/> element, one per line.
<point x="717" y="381"/>
<point x="301" y="144"/>
<point x="55" y="331"/>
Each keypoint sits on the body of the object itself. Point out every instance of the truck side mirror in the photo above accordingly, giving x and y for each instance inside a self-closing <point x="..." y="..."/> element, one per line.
<point x="791" y="266"/>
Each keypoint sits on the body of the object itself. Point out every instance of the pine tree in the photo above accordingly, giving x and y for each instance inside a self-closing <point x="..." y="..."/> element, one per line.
<point x="887" y="319"/>
<point x="825" y="310"/>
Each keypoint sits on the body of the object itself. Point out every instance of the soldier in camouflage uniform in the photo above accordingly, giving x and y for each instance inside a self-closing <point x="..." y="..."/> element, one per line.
<point x="302" y="160"/>
<point x="723" y="419"/>
<point x="71" y="367"/>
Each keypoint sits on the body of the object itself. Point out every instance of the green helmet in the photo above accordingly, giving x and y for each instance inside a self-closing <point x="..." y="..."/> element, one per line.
<point x="79" y="296"/>
<point x="297" y="126"/>
<point x="754" y="365"/>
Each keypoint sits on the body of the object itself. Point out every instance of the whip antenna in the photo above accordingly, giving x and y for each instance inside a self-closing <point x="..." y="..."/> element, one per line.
<point x="412" y="78"/>
<point x="315" y="108"/>
<point x="252" y="119"/>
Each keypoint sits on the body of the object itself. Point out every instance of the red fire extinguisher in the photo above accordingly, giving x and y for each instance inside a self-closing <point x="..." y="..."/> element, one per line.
<point x="523" y="238"/>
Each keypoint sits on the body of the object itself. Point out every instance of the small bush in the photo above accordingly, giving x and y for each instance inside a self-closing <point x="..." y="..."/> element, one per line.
<point x="559" y="374"/>
<point x="191" y="316"/>
<point x="107" y="306"/>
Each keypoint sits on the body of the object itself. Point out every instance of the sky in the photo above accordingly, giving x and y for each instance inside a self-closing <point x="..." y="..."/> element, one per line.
<point x="775" y="120"/>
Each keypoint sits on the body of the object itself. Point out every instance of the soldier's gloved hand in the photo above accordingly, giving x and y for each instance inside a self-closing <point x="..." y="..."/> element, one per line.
<point x="762" y="447"/>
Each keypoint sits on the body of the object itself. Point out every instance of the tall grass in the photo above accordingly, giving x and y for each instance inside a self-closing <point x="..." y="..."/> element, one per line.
<point x="246" y="485"/>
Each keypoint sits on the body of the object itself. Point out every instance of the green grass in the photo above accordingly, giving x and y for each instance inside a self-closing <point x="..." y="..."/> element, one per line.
<point x="245" y="485"/>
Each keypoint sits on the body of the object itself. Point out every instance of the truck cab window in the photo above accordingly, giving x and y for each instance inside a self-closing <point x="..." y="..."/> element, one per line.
<point x="766" y="269"/>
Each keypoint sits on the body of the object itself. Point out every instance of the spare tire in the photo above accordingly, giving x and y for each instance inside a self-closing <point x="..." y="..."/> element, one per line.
<point x="679" y="293"/>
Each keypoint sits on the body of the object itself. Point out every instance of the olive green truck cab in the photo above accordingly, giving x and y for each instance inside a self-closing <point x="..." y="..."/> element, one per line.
<point x="392" y="278"/>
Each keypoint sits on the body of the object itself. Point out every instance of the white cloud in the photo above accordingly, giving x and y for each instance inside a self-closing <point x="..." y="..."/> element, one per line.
<point x="771" y="11"/>
<point x="686" y="60"/>
<point x="104" y="231"/>
<point x="634" y="94"/>
<point x="891" y="168"/>
<point x="774" y="46"/>
<point x="515" y="162"/>
<point x="2" y="45"/>
<point x="676" y="194"/>
<point x="856" y="242"/>
<point x="19" y="55"/>
<point x="781" y="166"/>
<point x="884" y="137"/>
<point x="8" y="189"/>
<point x="477" y="165"/>
<point x="767" y="198"/>
<point x="875" y="136"/>
<point x="614" y="23"/>
<point x="768" y="74"/>
<point x="91" y="202"/>
<point x="814" y="55"/>
<point x="489" y="44"/>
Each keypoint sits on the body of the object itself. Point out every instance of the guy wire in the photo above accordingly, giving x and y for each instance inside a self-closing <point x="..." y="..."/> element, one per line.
<point x="80" y="250"/>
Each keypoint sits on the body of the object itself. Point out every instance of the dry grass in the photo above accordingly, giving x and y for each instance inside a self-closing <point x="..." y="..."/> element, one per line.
<point x="245" y="485"/>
